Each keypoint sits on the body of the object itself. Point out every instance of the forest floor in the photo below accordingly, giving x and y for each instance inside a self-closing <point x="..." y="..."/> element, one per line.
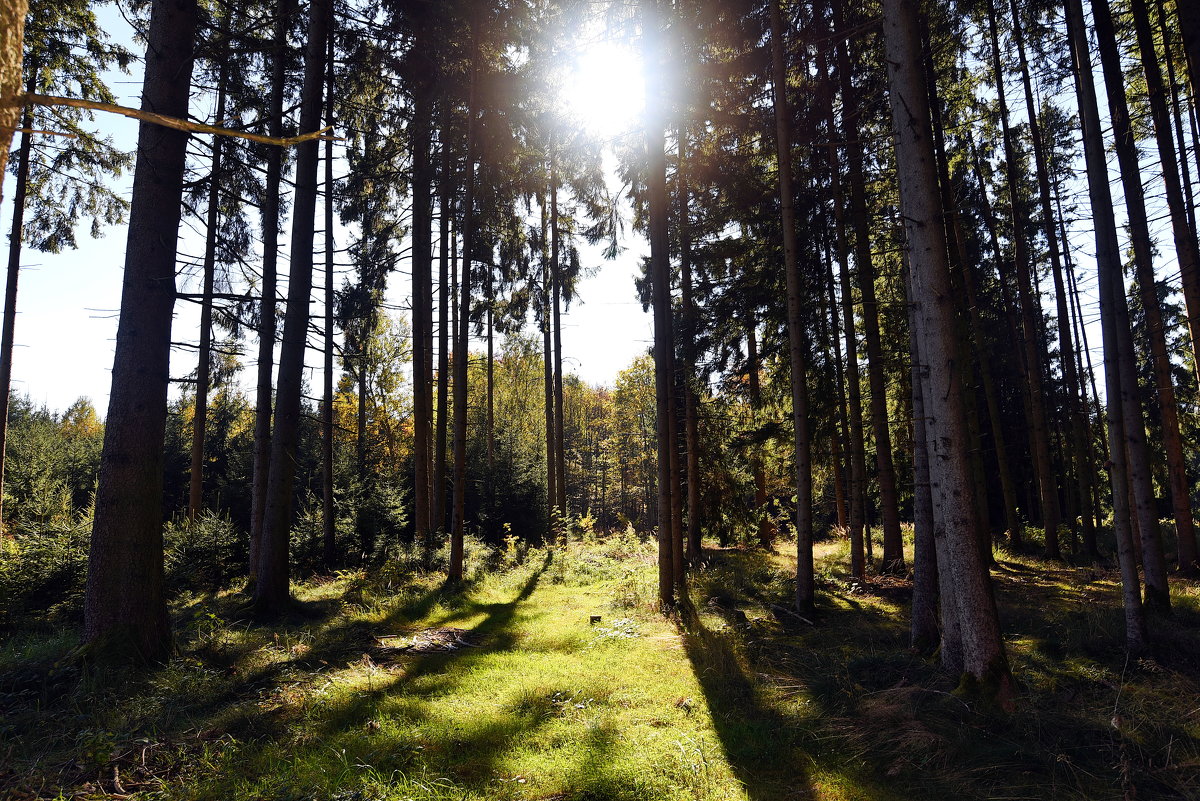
<point x="391" y="686"/>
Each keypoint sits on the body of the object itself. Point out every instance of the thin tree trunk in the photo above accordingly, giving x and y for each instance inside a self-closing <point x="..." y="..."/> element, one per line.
<point x="691" y="416"/>
<point x="556" y="283"/>
<point x="271" y="591"/>
<point x="660" y="277"/>
<point x="1047" y="487"/>
<point x="15" y="237"/>
<point x="1189" y="267"/>
<point x="125" y="613"/>
<point x="797" y="344"/>
<point x="328" y="513"/>
<point x="462" y="341"/>
<point x="1108" y="262"/>
<point x="1153" y="561"/>
<point x="204" y="363"/>
<point x="266" y="325"/>
<point x="422" y="295"/>
<point x="841" y="436"/>
<point x="548" y="381"/>
<point x="959" y="561"/>
<point x="445" y="215"/>
<point x="1188" y="14"/>
<point x="893" y="550"/>
<point x="1176" y="113"/>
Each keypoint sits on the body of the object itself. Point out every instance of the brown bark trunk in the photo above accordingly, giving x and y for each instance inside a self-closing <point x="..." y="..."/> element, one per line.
<point x="924" y="629"/>
<point x="1153" y="561"/>
<point x="1108" y="262"/>
<point x="125" y="613"/>
<point x="959" y="562"/>
<point x="15" y="236"/>
<point x="797" y="343"/>
<point x="691" y="416"/>
<point x="422" y="294"/>
<point x="328" y="513"/>
<point x="445" y="215"/>
<point x="266" y="325"/>
<point x="271" y="591"/>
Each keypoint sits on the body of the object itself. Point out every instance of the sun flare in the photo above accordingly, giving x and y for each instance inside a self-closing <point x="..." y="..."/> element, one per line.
<point x="604" y="89"/>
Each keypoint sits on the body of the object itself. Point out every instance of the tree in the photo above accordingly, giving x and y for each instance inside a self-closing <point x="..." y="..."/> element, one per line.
<point x="124" y="611"/>
<point x="970" y="609"/>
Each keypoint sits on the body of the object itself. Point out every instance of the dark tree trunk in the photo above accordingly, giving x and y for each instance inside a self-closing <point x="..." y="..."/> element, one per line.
<point x="422" y="291"/>
<point x="1108" y="262"/>
<point x="1039" y="425"/>
<point x="548" y="381"/>
<point x="271" y="591"/>
<point x="924" y="630"/>
<point x="125" y="614"/>
<point x="204" y="363"/>
<point x="328" y="513"/>
<point x="797" y="343"/>
<point x="10" y="289"/>
<point x="266" y="325"/>
<point x="766" y="529"/>
<point x="691" y="416"/>
<point x="556" y="284"/>
<point x="445" y="215"/>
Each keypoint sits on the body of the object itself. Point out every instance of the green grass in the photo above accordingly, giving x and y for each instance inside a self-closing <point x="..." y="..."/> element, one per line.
<point x="390" y="686"/>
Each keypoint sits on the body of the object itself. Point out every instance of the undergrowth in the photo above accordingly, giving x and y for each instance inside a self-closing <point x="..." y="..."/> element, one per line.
<point x="550" y="674"/>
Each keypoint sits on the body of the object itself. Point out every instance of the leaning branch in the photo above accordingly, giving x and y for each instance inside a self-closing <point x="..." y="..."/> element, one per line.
<point x="30" y="98"/>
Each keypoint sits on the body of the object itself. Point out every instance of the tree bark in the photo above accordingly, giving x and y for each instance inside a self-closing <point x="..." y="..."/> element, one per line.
<point x="445" y="217"/>
<point x="691" y="416"/>
<point x="125" y="613"/>
<point x="1108" y="262"/>
<point x="1153" y="561"/>
<point x="983" y="659"/>
<point x="15" y="236"/>
<point x="548" y="380"/>
<point x="266" y="325"/>
<point x="797" y="341"/>
<point x="1047" y="487"/>
<point x="328" y="513"/>
<point x="271" y="591"/>
<point x="422" y="290"/>
<point x="924" y="629"/>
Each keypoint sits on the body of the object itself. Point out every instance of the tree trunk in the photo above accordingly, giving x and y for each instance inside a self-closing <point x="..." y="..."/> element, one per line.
<point x="462" y="341"/>
<point x="10" y="290"/>
<point x="328" y="513"/>
<point x="893" y="550"/>
<point x="271" y="591"/>
<point x="12" y="54"/>
<point x="1153" y="561"/>
<point x="1108" y="262"/>
<point x="556" y="284"/>
<point x="1176" y="112"/>
<point x="924" y="629"/>
<point x="125" y="614"/>
<point x="266" y="324"/>
<point x="797" y="344"/>
<point x="1189" y="268"/>
<point x="1189" y="26"/>
<point x="983" y="659"/>
<point x="691" y="416"/>
<point x="445" y="216"/>
<point x="1047" y="487"/>
<point x="766" y="530"/>
<point x="548" y="382"/>
<point x="422" y="292"/>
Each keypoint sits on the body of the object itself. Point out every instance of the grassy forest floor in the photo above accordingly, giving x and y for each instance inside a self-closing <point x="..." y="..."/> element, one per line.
<point x="389" y="686"/>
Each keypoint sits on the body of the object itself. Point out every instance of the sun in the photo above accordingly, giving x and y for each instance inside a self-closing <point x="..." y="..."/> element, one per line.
<point x="604" y="89"/>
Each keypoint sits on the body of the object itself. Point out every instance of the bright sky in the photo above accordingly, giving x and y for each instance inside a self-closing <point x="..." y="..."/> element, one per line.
<point x="67" y="304"/>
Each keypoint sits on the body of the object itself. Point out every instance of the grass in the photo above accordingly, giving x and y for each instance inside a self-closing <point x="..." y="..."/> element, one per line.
<point x="390" y="686"/>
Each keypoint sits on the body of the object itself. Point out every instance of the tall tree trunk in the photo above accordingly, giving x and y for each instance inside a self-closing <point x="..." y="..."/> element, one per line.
<point x="858" y="469"/>
<point x="1176" y="112"/>
<point x="462" y="340"/>
<point x="12" y="53"/>
<point x="1189" y="268"/>
<point x="797" y="341"/>
<point x="1153" y="561"/>
<point x="1078" y="449"/>
<point x="271" y="591"/>
<point x="660" y="278"/>
<point x="548" y="381"/>
<point x="445" y="218"/>
<point x="422" y="291"/>
<point x="1047" y="487"/>
<point x="1108" y="263"/>
<point x="266" y="325"/>
<point x="1189" y="26"/>
<point x="10" y="290"/>
<point x="125" y="614"/>
<point x="842" y="429"/>
<point x="691" y="415"/>
<point x="958" y="557"/>
<point x="212" y="221"/>
<point x="328" y="513"/>
<point x="556" y="284"/>
<point x="893" y="550"/>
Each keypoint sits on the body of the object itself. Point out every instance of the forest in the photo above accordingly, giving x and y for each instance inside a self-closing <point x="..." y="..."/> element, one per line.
<point x="898" y="502"/>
